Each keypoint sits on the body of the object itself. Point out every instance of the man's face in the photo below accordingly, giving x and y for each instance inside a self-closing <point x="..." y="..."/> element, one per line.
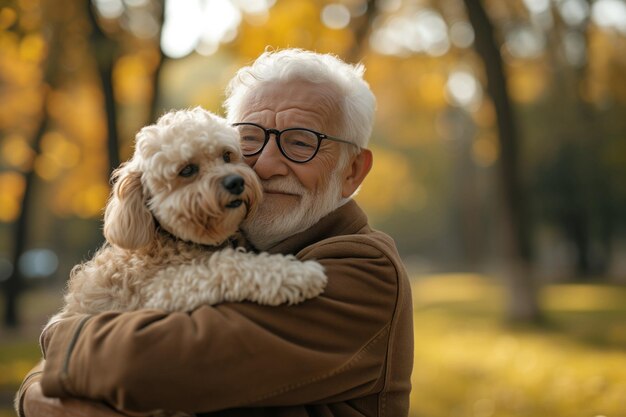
<point x="295" y="195"/>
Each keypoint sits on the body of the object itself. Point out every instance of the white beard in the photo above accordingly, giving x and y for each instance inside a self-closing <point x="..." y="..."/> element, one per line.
<point x="272" y="223"/>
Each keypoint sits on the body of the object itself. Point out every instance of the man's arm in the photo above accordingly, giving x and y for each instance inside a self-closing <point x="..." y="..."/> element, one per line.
<point x="327" y="349"/>
<point x="36" y="404"/>
<point x="30" y="402"/>
<point x="31" y="378"/>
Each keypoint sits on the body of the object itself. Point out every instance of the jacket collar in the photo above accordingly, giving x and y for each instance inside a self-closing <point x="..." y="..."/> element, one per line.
<point x="347" y="219"/>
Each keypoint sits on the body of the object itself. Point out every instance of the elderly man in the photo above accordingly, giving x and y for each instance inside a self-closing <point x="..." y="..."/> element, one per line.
<point x="346" y="353"/>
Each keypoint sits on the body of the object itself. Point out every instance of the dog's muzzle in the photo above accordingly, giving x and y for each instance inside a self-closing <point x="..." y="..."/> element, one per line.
<point x="234" y="203"/>
<point x="234" y="184"/>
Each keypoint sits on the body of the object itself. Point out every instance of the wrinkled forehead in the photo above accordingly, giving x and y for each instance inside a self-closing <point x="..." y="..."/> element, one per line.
<point x="321" y="99"/>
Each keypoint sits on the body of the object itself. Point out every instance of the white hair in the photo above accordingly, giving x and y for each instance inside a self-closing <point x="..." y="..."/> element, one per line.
<point x="358" y="102"/>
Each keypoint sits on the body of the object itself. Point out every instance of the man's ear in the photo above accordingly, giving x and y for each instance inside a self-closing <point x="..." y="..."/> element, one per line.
<point x="356" y="171"/>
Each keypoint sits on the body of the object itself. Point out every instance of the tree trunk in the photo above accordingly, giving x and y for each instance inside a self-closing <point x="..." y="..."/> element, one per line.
<point x="586" y="135"/>
<point x="361" y="29"/>
<point x="522" y="305"/>
<point x="14" y="285"/>
<point x="105" y="51"/>
<point x="155" y="111"/>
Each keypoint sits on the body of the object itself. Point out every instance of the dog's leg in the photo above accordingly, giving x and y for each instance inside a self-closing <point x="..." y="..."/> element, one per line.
<point x="235" y="275"/>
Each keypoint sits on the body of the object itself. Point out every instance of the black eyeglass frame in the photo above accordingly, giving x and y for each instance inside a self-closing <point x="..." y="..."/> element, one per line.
<point x="277" y="133"/>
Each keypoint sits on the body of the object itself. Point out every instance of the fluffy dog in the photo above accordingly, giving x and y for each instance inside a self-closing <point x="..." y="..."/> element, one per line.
<point x="169" y="225"/>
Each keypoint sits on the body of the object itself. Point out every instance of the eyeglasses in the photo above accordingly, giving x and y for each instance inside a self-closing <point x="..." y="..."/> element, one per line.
<point x="297" y="143"/>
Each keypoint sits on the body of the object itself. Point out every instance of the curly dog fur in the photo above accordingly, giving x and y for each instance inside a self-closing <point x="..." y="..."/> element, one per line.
<point x="174" y="208"/>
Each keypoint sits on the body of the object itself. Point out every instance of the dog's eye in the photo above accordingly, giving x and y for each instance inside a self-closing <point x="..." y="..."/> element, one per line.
<point x="189" y="170"/>
<point x="226" y="156"/>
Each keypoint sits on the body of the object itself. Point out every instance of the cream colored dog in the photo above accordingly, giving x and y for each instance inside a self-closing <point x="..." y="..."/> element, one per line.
<point x="173" y="211"/>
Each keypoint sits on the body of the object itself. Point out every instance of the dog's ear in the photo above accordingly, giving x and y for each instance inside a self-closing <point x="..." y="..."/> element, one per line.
<point x="127" y="221"/>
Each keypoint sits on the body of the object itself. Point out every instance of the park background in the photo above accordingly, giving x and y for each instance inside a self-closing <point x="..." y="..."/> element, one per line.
<point x="500" y="169"/>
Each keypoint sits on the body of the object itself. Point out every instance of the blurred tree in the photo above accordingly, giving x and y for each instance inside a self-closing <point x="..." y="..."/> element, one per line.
<point x="155" y="108"/>
<point x="106" y="54"/>
<point x="15" y="282"/>
<point x="522" y="304"/>
<point x="361" y="27"/>
<point x="571" y="180"/>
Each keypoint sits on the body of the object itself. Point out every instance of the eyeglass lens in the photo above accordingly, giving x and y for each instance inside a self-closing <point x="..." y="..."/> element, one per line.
<point x="297" y="144"/>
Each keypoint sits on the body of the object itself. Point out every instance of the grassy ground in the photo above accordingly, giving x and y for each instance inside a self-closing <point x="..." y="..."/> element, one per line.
<point x="467" y="362"/>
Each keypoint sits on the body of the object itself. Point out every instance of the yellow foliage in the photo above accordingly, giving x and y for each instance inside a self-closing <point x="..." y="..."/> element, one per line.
<point x="378" y="68"/>
<point x="11" y="190"/>
<point x="600" y="56"/>
<point x="9" y="42"/>
<point x="20" y="111"/>
<point x="132" y="79"/>
<point x="151" y="57"/>
<point x="334" y="41"/>
<point x="29" y="5"/>
<point x="431" y="88"/>
<point x="9" y="208"/>
<point x="17" y="153"/>
<point x="32" y="11"/>
<point x="208" y="96"/>
<point x="57" y="147"/>
<point x="485" y="150"/>
<point x="378" y="197"/>
<point x="12" y="183"/>
<point x="485" y="115"/>
<point x="527" y="83"/>
<point x="33" y="47"/>
<point x="79" y="112"/>
<point x="8" y="16"/>
<point x="16" y="65"/>
<point x="407" y="109"/>
<point x="83" y="189"/>
<point x="293" y="23"/>
<point x="74" y="154"/>
<point x="90" y="201"/>
<point x="47" y="168"/>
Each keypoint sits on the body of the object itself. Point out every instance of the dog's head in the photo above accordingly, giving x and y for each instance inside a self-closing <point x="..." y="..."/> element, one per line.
<point x="187" y="174"/>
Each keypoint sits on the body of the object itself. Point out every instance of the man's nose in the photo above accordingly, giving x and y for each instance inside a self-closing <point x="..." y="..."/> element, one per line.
<point x="270" y="161"/>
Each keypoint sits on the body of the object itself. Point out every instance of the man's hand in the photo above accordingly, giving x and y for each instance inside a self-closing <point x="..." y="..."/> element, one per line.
<point x="38" y="405"/>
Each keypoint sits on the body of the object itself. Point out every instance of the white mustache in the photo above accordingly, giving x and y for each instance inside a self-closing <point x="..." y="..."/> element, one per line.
<point x="288" y="185"/>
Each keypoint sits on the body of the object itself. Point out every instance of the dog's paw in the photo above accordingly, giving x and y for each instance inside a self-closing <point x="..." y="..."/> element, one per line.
<point x="301" y="281"/>
<point x="315" y="279"/>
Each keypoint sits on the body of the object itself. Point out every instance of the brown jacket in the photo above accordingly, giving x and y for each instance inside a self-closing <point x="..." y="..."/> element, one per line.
<point x="346" y="353"/>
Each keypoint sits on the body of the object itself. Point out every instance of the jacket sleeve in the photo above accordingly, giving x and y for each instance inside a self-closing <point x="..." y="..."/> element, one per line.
<point x="328" y="349"/>
<point x="33" y="376"/>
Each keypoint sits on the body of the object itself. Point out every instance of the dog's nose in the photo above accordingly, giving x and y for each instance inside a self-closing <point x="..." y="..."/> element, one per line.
<point x="233" y="183"/>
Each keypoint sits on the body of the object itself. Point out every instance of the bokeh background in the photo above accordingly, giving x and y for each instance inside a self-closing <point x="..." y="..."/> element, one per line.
<point x="500" y="169"/>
